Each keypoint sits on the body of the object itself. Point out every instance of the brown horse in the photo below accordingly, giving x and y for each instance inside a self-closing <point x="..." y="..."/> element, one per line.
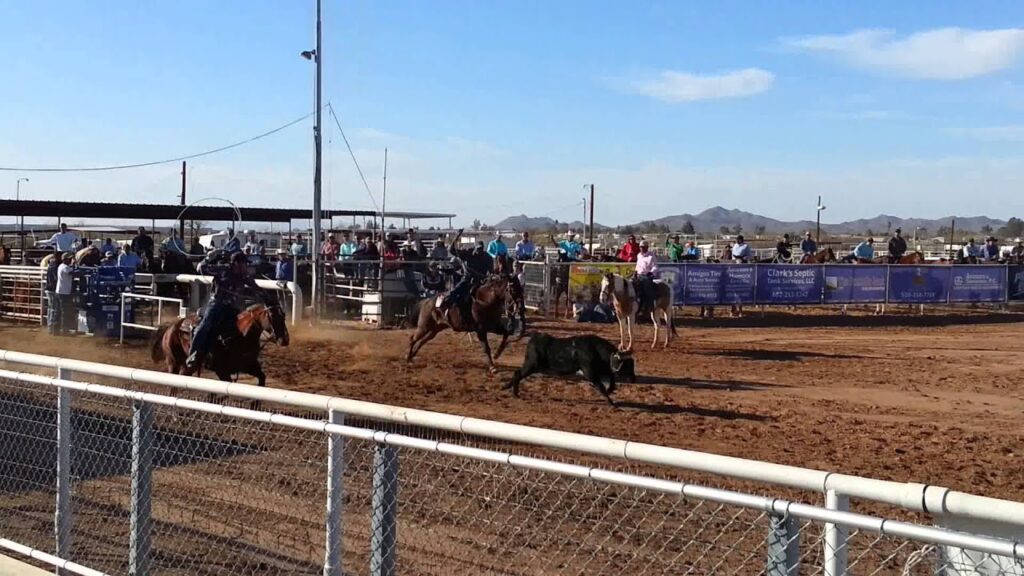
<point x="239" y="354"/>
<point x="911" y="258"/>
<point x="482" y="315"/>
<point x="820" y="257"/>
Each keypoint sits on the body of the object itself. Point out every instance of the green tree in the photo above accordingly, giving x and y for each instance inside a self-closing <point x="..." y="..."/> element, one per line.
<point x="737" y="229"/>
<point x="723" y="229"/>
<point x="759" y="230"/>
<point x="688" y="228"/>
<point x="986" y="229"/>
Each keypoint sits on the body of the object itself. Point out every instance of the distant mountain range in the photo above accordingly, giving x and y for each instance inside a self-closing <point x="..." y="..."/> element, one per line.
<point x="713" y="219"/>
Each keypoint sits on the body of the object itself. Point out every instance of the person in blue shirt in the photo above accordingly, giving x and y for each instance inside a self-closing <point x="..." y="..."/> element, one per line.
<point x="525" y="248"/>
<point x="129" y="259"/>
<point x="864" y="252"/>
<point x="233" y="244"/>
<point x="109" y="260"/>
<point x="497" y="246"/>
<point x="108" y="246"/>
<point x="570" y="249"/>
<point x="284" y="271"/>
<point x="299" y="247"/>
<point x="692" y="252"/>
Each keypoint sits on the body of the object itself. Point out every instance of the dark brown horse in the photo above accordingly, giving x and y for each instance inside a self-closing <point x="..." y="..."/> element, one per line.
<point x="820" y="257"/>
<point x="911" y="258"/>
<point x="482" y="315"/>
<point x="237" y="354"/>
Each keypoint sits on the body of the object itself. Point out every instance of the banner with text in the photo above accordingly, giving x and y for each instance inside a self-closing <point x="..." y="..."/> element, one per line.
<point x="719" y="284"/>
<point x="854" y="284"/>
<point x="978" y="284"/>
<point x="789" y="284"/>
<point x="919" y="284"/>
<point x="1015" y="283"/>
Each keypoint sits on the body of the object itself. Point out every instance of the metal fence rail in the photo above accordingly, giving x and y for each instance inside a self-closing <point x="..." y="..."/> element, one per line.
<point x="21" y="293"/>
<point x="153" y="484"/>
<point x="158" y="320"/>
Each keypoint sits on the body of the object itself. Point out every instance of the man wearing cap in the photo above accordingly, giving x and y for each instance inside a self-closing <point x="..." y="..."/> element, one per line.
<point x="109" y="260"/>
<point x="497" y="246"/>
<point x="808" y="246"/>
<point x="1018" y="251"/>
<point x="741" y="251"/>
<point x="784" y="249"/>
<point x="232" y="285"/>
<point x="990" y="251"/>
<point x="329" y="249"/>
<point x="284" y="270"/>
<point x="646" y="268"/>
<point x="971" y="250"/>
<point x="525" y="248"/>
<point x="65" y="321"/>
<point x="897" y="247"/>
<point x="570" y="249"/>
<point x="676" y="251"/>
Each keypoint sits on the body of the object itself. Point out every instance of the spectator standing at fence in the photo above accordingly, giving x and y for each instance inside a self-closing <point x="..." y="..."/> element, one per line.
<point x="990" y="251"/>
<point x="65" y="301"/>
<point x="1017" y="253"/>
<point x="440" y="250"/>
<point x="329" y="248"/>
<point x="284" y="270"/>
<point x="674" y="249"/>
<point x="108" y="246"/>
<point x="233" y="244"/>
<point x="692" y="251"/>
<point x="629" y="250"/>
<point x="129" y="259"/>
<point x="251" y="245"/>
<point x="347" y="248"/>
<point x="52" y="303"/>
<point x="524" y="247"/>
<point x="62" y="241"/>
<point x="109" y="260"/>
<point x="897" y="246"/>
<point x="570" y="249"/>
<point x="172" y="243"/>
<point x="417" y="244"/>
<point x="497" y="247"/>
<point x="298" y="247"/>
<point x="808" y="246"/>
<point x="196" y="249"/>
<point x="741" y="251"/>
<point x="143" y="243"/>
<point x="971" y="250"/>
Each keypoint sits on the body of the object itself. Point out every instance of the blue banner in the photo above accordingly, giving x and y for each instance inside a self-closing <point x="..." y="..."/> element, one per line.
<point x="978" y="284"/>
<point x="719" y="284"/>
<point x="919" y="284"/>
<point x="854" y="284"/>
<point x="1015" y="283"/>
<point x="789" y="284"/>
<point x="675" y="276"/>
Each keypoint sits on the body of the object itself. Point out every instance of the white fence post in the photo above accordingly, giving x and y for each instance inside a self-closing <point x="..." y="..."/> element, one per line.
<point x="835" y="536"/>
<point x="62" y="517"/>
<point x="384" y="511"/>
<point x="783" y="546"/>
<point x="142" y="488"/>
<point x="335" y="498"/>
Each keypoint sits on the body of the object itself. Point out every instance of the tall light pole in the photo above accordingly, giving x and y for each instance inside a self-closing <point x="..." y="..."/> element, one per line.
<point x="21" y="219"/>
<point x="817" y="227"/>
<point x="317" y="56"/>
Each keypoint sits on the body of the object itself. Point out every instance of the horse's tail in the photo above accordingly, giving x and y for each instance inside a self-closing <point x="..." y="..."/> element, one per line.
<point x="156" y="345"/>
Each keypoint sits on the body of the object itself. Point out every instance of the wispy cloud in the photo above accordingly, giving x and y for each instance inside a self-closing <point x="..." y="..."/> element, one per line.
<point x="1008" y="133"/>
<point x="940" y="54"/>
<point x="673" y="86"/>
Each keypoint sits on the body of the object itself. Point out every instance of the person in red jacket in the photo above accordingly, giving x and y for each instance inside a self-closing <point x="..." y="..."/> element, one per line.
<point x="629" y="250"/>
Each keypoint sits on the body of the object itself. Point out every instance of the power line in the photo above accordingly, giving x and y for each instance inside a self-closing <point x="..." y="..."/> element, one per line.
<point x="158" y="162"/>
<point x="350" y="153"/>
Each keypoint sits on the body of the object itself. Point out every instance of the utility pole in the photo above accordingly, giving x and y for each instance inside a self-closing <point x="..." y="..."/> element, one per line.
<point x="817" y="226"/>
<point x="590" y="248"/>
<point x="21" y="220"/>
<point x="317" y="138"/>
<point x="181" y="222"/>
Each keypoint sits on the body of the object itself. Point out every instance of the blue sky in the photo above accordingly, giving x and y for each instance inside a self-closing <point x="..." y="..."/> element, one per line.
<point x="497" y="108"/>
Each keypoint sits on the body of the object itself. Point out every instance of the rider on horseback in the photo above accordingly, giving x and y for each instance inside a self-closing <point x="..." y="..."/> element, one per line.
<point x="646" y="268"/>
<point x="232" y="284"/>
<point x="474" y="266"/>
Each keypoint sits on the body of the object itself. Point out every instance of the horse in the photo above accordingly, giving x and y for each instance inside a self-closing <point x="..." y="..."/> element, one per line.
<point x="819" y="257"/>
<point x="482" y="315"/>
<point x="237" y="354"/>
<point x="622" y="293"/>
<point x="88" y="256"/>
<point x="911" y="258"/>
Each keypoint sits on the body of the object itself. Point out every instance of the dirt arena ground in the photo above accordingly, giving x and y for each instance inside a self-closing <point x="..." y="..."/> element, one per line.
<point x="938" y="401"/>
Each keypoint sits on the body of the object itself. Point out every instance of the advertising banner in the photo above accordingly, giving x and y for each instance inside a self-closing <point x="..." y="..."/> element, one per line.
<point x="719" y="284"/>
<point x="1015" y="283"/>
<point x="919" y="284"/>
<point x="675" y="276"/>
<point x="585" y="278"/>
<point x="978" y="284"/>
<point x="854" y="284"/>
<point x="789" y="284"/>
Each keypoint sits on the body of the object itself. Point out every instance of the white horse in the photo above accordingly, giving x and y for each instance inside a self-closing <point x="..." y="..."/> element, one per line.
<point x="621" y="292"/>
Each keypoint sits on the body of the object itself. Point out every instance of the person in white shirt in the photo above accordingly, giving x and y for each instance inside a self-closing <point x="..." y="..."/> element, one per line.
<point x="251" y="247"/>
<point x="971" y="250"/>
<point x="62" y="241"/>
<point x="646" y="268"/>
<point x="741" y="251"/>
<point x="65" y="302"/>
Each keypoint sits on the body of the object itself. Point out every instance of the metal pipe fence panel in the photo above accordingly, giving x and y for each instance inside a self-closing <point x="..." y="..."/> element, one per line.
<point x="164" y="485"/>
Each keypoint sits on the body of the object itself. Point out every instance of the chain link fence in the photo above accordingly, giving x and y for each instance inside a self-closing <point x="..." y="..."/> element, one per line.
<point x="163" y="485"/>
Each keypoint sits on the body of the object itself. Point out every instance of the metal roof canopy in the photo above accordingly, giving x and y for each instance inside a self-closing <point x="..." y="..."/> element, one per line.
<point x="111" y="210"/>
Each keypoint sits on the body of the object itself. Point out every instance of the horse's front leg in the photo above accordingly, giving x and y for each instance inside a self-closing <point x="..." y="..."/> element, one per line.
<point x="481" y="335"/>
<point x="504" y="342"/>
<point x="261" y="380"/>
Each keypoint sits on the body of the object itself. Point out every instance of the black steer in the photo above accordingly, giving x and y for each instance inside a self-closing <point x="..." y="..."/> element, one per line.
<point x="593" y="357"/>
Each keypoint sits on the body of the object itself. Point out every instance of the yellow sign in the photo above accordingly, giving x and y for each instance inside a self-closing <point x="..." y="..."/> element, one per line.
<point x="585" y="278"/>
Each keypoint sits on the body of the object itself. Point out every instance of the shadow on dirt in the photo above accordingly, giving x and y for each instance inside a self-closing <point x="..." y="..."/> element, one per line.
<point x="694" y="410"/>
<point x="755" y="319"/>
<point x="698" y="384"/>
<point x="780" y="355"/>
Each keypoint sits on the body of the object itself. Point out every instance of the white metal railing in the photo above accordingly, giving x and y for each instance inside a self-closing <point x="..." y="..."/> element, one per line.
<point x="128" y="296"/>
<point x="192" y="280"/>
<point x="997" y="555"/>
